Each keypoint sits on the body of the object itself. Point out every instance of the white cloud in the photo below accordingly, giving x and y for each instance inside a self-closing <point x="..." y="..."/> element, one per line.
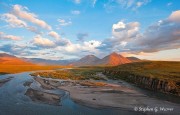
<point x="139" y="4"/>
<point x="43" y="42"/>
<point x="23" y="13"/>
<point x="175" y="16"/>
<point x="63" y="22"/>
<point x="13" y="20"/>
<point x="75" y="12"/>
<point x="122" y="31"/>
<point x="163" y="35"/>
<point x="54" y="34"/>
<point x="10" y="37"/>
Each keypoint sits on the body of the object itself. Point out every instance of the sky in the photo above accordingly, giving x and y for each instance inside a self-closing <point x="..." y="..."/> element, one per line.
<point x="71" y="29"/>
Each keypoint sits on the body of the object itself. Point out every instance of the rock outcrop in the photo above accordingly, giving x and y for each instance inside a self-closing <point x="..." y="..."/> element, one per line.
<point x="165" y="86"/>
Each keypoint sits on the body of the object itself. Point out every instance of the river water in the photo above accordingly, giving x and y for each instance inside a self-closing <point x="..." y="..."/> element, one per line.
<point x="14" y="102"/>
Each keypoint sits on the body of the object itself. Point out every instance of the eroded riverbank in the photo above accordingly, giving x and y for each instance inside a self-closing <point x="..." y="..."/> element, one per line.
<point x="14" y="99"/>
<point x="106" y="95"/>
<point x="24" y="94"/>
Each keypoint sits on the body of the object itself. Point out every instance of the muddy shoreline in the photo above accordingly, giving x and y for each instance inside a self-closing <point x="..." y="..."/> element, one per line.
<point x="3" y="81"/>
<point x="43" y="97"/>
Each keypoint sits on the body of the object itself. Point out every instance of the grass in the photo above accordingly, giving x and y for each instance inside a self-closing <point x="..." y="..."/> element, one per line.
<point x="81" y="73"/>
<point x="155" y="69"/>
<point x="9" y="69"/>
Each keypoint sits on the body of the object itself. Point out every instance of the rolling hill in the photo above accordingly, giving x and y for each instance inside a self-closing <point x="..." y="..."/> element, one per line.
<point x="41" y="61"/>
<point x="6" y="59"/>
<point x="87" y="60"/>
<point x="134" y="59"/>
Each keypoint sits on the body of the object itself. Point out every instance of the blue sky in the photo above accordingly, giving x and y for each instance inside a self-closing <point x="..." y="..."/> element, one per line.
<point x="67" y="29"/>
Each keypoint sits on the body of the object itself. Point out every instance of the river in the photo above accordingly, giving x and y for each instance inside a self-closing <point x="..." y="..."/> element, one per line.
<point x="13" y="101"/>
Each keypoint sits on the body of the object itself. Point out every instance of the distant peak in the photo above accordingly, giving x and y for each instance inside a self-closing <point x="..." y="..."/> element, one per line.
<point x="91" y="56"/>
<point x="114" y="54"/>
<point x="6" y="55"/>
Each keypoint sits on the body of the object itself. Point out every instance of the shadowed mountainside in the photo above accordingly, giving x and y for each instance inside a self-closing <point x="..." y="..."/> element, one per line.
<point x="134" y="59"/>
<point x="111" y="60"/>
<point x="87" y="60"/>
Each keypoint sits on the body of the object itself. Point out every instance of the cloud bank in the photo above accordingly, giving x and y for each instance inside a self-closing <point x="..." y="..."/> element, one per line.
<point x="162" y="35"/>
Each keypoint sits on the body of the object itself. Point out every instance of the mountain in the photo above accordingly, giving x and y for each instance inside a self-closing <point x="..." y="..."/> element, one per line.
<point x="87" y="60"/>
<point x="113" y="59"/>
<point x="48" y="62"/>
<point x="134" y="59"/>
<point x="6" y="59"/>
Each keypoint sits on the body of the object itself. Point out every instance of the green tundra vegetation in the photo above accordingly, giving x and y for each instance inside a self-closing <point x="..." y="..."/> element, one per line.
<point x="154" y="75"/>
<point x="154" y="69"/>
<point x="80" y="73"/>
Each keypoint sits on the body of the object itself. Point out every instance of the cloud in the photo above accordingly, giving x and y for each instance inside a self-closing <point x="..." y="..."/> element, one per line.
<point x="132" y="3"/>
<point x="9" y="48"/>
<point x="162" y="35"/>
<point x="92" y="43"/>
<point x="21" y="50"/>
<point x="4" y="36"/>
<point x="15" y="49"/>
<point x="62" y="42"/>
<point x="13" y="20"/>
<point x="169" y="4"/>
<point x="33" y="29"/>
<point x="139" y="4"/>
<point x="82" y="36"/>
<point x="122" y="31"/>
<point x="75" y="12"/>
<point x="85" y="48"/>
<point x="175" y="16"/>
<point x="43" y="42"/>
<point x="23" y="13"/>
<point x="54" y="34"/>
<point x="63" y="22"/>
<point x="126" y="4"/>
<point x="77" y="1"/>
<point x="94" y="3"/>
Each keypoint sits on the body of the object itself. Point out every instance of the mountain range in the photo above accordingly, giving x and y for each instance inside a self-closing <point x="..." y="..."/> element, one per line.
<point x="112" y="59"/>
<point x="6" y="59"/>
<point x="48" y="62"/>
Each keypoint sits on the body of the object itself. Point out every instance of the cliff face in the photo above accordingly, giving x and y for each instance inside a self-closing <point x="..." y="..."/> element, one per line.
<point x="165" y="86"/>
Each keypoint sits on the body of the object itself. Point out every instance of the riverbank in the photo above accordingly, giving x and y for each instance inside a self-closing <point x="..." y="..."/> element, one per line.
<point x="43" y="97"/>
<point x="3" y="81"/>
<point x="157" y="76"/>
<point x="106" y="95"/>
